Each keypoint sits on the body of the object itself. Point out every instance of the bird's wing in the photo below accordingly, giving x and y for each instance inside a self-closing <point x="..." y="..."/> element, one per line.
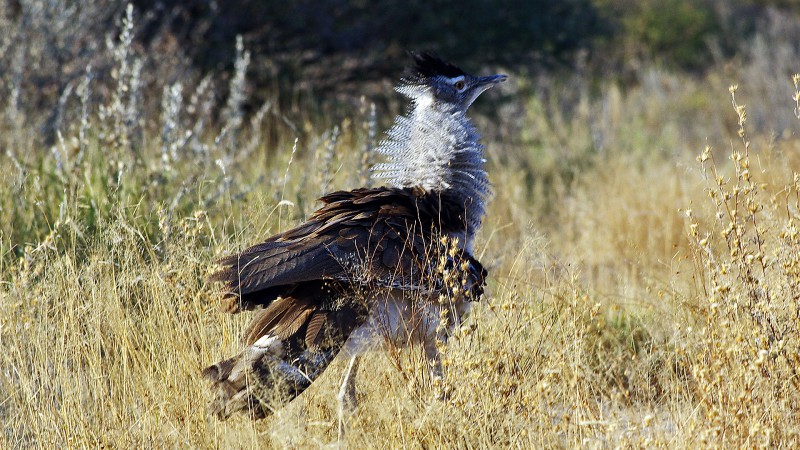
<point x="365" y="237"/>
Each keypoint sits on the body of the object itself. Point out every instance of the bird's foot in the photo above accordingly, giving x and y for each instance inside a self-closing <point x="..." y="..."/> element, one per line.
<point x="442" y="391"/>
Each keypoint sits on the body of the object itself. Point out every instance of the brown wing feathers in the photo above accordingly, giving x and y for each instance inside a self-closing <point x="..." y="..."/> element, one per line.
<point x="272" y="264"/>
<point x="314" y="330"/>
<point x="282" y="318"/>
<point x="359" y="223"/>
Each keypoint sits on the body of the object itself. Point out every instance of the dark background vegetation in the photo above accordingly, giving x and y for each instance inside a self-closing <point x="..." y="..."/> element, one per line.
<point x="337" y="41"/>
<point x="319" y="47"/>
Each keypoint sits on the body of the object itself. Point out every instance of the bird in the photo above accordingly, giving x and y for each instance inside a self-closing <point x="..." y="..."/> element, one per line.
<point x="391" y="265"/>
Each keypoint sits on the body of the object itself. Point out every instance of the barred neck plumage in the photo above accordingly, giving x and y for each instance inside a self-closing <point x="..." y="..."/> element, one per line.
<point x="436" y="147"/>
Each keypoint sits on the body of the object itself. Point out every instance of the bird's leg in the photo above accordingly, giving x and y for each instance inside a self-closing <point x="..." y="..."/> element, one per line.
<point x="434" y="358"/>
<point x="347" y="394"/>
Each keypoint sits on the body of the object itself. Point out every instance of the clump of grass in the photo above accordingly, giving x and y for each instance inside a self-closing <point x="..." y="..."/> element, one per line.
<point x="746" y="370"/>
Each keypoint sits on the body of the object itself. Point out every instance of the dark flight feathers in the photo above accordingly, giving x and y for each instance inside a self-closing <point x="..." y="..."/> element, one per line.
<point x="371" y="237"/>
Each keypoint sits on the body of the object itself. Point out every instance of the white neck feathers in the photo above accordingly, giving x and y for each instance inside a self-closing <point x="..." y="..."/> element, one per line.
<point x="437" y="148"/>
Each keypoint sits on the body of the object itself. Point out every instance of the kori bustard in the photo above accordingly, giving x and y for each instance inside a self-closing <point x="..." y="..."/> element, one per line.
<point x="390" y="265"/>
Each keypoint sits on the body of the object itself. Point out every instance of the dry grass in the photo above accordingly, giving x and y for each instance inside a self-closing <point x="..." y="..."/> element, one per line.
<point x="638" y="297"/>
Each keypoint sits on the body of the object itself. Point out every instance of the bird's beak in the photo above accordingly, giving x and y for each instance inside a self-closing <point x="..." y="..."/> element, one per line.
<point x="482" y="85"/>
<point x="485" y="83"/>
<point x="491" y="80"/>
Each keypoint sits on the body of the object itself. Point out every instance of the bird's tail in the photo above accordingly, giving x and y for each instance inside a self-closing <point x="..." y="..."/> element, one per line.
<point x="262" y="378"/>
<point x="278" y="363"/>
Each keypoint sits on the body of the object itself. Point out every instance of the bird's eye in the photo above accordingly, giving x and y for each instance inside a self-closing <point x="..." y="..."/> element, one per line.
<point x="459" y="85"/>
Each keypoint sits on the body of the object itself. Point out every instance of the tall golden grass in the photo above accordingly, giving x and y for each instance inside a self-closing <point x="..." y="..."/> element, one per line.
<point x="643" y="251"/>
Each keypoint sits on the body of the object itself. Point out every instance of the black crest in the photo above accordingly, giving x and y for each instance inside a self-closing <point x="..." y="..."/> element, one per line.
<point x="427" y="65"/>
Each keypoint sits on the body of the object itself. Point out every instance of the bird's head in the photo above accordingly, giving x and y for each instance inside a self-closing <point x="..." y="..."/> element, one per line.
<point x="434" y="80"/>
